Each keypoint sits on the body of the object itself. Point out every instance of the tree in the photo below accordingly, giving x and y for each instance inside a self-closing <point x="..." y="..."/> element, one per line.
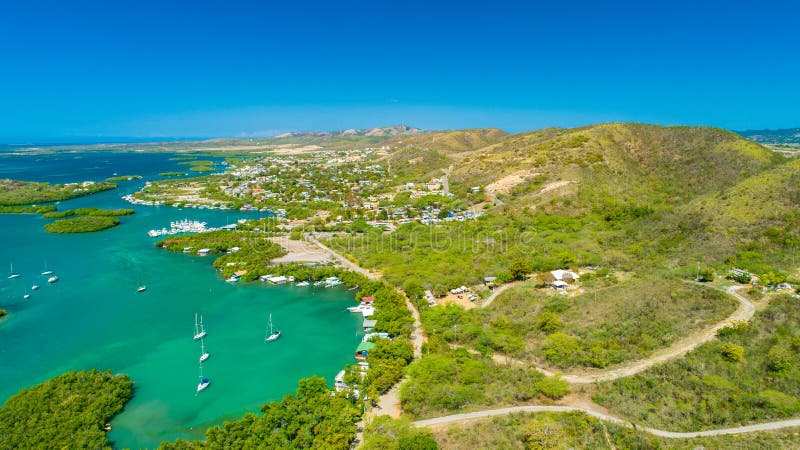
<point x="706" y="274"/>
<point x="519" y="268"/>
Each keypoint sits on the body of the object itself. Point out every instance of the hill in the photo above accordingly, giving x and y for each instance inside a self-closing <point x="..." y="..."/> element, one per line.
<point x="783" y="136"/>
<point x="396" y="130"/>
<point x="601" y="166"/>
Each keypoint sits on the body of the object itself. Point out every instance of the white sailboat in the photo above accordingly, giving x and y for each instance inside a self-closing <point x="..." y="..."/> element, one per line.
<point x="141" y="288"/>
<point x="199" y="332"/>
<point x="204" y="382"/>
<point x="52" y="279"/>
<point x="273" y="334"/>
<point x="26" y="295"/>
<point x="13" y="274"/>
<point x="203" y="353"/>
<point x="46" y="270"/>
<point x="34" y="287"/>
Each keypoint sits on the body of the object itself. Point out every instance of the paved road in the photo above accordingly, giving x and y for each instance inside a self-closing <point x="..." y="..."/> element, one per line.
<point x="455" y="418"/>
<point x="346" y="263"/>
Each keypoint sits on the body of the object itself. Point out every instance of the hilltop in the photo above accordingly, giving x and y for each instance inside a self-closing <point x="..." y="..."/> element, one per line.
<point x="396" y="130"/>
<point x="781" y="136"/>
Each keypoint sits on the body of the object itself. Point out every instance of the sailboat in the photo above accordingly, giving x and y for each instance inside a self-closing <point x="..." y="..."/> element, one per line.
<point x="26" y="296"/>
<point x="34" y="287"/>
<point x="142" y="286"/>
<point x="199" y="332"/>
<point x="52" y="279"/>
<point x="46" y="270"/>
<point x="13" y="274"/>
<point x="203" y="353"/>
<point x="273" y="334"/>
<point x="204" y="382"/>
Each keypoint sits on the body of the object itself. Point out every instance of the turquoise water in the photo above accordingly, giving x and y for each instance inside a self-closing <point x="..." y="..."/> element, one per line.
<point x="94" y="318"/>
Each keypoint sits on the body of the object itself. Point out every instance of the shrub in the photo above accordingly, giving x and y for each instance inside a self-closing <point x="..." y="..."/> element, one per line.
<point x="732" y="352"/>
<point x="548" y="322"/>
<point x="779" y="359"/>
<point x="553" y="387"/>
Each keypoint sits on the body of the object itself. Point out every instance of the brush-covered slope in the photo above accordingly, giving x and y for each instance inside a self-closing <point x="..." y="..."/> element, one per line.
<point x="754" y="224"/>
<point x="423" y="155"/>
<point x="630" y="164"/>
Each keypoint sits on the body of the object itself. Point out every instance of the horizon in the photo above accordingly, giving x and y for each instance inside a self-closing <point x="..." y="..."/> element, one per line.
<point x="98" y="71"/>
<point x="113" y="140"/>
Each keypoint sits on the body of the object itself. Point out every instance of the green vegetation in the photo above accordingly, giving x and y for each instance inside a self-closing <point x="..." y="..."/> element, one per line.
<point x="385" y="433"/>
<point x="123" y="178"/>
<point x="3" y="312"/>
<point x="253" y="254"/>
<point x="609" y="324"/>
<point x="199" y="165"/>
<point x="311" y="418"/>
<point x="445" y="381"/>
<point x="172" y="174"/>
<point x="81" y="224"/>
<point x="67" y="411"/>
<point x="13" y="192"/>
<point x="20" y="209"/>
<point x="750" y="374"/>
<point x="88" y="212"/>
<point x="578" y="430"/>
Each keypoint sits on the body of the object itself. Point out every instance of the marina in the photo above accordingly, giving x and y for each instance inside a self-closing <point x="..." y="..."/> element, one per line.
<point x="100" y="320"/>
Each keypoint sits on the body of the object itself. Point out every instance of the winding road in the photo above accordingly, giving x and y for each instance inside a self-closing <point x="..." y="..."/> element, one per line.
<point x="456" y="418"/>
<point x="683" y="346"/>
<point x="389" y="402"/>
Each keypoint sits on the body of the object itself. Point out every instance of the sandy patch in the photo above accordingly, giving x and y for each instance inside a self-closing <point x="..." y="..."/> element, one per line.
<point x="508" y="182"/>
<point x="461" y="300"/>
<point x="299" y="252"/>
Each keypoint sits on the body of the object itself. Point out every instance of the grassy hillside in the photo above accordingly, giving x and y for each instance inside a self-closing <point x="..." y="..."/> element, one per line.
<point x="633" y="164"/>
<point x="750" y="374"/>
<point x="419" y="157"/>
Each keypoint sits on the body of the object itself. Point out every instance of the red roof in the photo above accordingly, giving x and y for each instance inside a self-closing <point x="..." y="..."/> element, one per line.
<point x="368" y="299"/>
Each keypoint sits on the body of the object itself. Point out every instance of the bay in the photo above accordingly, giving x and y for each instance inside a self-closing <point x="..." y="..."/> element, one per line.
<point x="94" y="318"/>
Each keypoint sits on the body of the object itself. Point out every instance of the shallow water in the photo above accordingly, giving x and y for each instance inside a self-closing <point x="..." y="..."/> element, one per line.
<point x="94" y="318"/>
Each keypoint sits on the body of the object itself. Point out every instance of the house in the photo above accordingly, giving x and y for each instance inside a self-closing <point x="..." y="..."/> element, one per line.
<point x="368" y="299"/>
<point x="489" y="281"/>
<point x="560" y="279"/>
<point x="369" y="325"/>
<point x="379" y="335"/>
<point x="363" y="350"/>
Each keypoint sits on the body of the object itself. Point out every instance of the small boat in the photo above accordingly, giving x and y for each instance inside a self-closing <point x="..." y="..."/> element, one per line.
<point x="141" y="289"/>
<point x="354" y="288"/>
<point x="34" y="287"/>
<point x="273" y="334"/>
<point x="199" y="332"/>
<point x="303" y="284"/>
<point x="47" y="272"/>
<point x="203" y="353"/>
<point x="52" y="279"/>
<point x="26" y="296"/>
<point x="13" y="274"/>
<point x="204" y="382"/>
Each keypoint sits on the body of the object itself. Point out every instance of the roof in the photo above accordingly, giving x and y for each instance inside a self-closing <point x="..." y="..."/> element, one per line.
<point x="239" y="273"/>
<point x="369" y="323"/>
<point x="560" y="274"/>
<point x="365" y="346"/>
<point x="368" y="299"/>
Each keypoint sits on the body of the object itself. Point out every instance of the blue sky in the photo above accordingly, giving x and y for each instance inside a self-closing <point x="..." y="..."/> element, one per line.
<point x="234" y="68"/>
